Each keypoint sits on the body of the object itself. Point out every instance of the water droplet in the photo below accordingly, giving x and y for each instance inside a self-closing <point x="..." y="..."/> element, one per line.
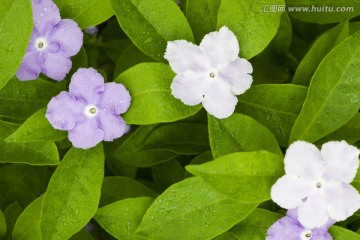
<point x="148" y="40"/>
<point x="45" y="9"/>
<point x="41" y="14"/>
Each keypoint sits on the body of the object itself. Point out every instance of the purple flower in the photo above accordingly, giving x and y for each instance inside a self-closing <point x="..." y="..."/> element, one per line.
<point x="90" y="110"/>
<point x="289" y="228"/>
<point x="52" y="43"/>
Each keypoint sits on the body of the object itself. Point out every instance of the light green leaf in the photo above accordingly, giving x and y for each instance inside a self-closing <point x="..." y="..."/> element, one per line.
<point x="167" y="174"/>
<point x="122" y="218"/>
<point x="202" y="16"/>
<point x="73" y="193"/>
<point x="191" y="209"/>
<point x="334" y="93"/>
<point x="253" y="26"/>
<point x="240" y="133"/>
<point x="117" y="188"/>
<point x="152" y="102"/>
<point x="2" y="224"/>
<point x="86" y="13"/>
<point x="343" y="233"/>
<point x="151" y="23"/>
<point x="276" y="106"/>
<point x="244" y="176"/>
<point x="320" y="48"/>
<point x="22" y="99"/>
<point x="12" y="212"/>
<point x="36" y="129"/>
<point x="15" y="30"/>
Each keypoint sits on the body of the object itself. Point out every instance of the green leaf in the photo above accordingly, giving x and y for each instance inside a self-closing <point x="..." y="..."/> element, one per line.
<point x="240" y="133"/>
<point x="167" y="174"/>
<point x="2" y="224"/>
<point x="276" y="106"/>
<point x="152" y="102"/>
<point x="82" y="235"/>
<point x="320" y="48"/>
<point x="15" y="30"/>
<point x="131" y="152"/>
<point x="151" y="23"/>
<point x="326" y="11"/>
<point x="73" y="193"/>
<point x="282" y="40"/>
<point x="117" y="188"/>
<point x="22" y="183"/>
<point x="191" y="209"/>
<point x="12" y="212"/>
<point x="79" y="61"/>
<point x="122" y="218"/>
<point x="244" y="176"/>
<point x="37" y="153"/>
<point x="86" y="13"/>
<point x="36" y="129"/>
<point x="202" y="16"/>
<point x="334" y="93"/>
<point x="27" y="226"/>
<point x="114" y="48"/>
<point x="343" y="233"/>
<point x="253" y="27"/>
<point x="22" y="99"/>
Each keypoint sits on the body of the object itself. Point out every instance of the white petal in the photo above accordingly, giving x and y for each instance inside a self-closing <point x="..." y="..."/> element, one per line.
<point x="236" y="74"/>
<point x="343" y="200"/>
<point x="184" y="56"/>
<point x="219" y="100"/>
<point x="289" y="192"/>
<point x="303" y="159"/>
<point x="312" y="214"/>
<point x="189" y="88"/>
<point x="222" y="47"/>
<point x="341" y="161"/>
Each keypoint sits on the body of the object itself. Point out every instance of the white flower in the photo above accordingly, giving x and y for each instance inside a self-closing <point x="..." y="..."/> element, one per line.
<point x="318" y="182"/>
<point x="211" y="73"/>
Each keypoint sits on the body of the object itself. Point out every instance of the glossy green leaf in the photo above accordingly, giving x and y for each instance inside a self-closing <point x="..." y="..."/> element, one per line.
<point x="151" y="23"/>
<point x="343" y="233"/>
<point x="326" y="11"/>
<point x="122" y="218"/>
<point x="2" y="224"/>
<point x="334" y="93"/>
<point x="15" y="30"/>
<point x="202" y="16"/>
<point x="320" y="48"/>
<point x="22" y="99"/>
<point x="86" y="13"/>
<point x="191" y="209"/>
<point x="275" y="106"/>
<point x="152" y="102"/>
<point x="251" y="23"/>
<point x="73" y="193"/>
<point x="36" y="129"/>
<point x="167" y="174"/>
<point x="244" y="176"/>
<point x="240" y="133"/>
<point x="12" y="212"/>
<point x="116" y="188"/>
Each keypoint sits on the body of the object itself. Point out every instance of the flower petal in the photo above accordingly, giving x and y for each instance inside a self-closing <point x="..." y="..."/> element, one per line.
<point x="189" y="88"/>
<point x="343" y="200"/>
<point x="303" y="159"/>
<point x="112" y="125"/>
<point x="68" y="35"/>
<point x="87" y="83"/>
<point x="236" y="74"/>
<point x="184" y="56"/>
<point x="30" y="67"/>
<point x="222" y="47"/>
<point x="86" y="134"/>
<point x="115" y="97"/>
<point x="64" y="111"/>
<point x="341" y="161"/>
<point x="312" y="214"/>
<point x="55" y="65"/>
<point x="289" y="192"/>
<point x="284" y="229"/>
<point x="45" y="14"/>
<point x="219" y="100"/>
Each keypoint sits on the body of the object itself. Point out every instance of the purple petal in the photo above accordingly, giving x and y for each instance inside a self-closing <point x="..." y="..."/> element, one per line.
<point x="115" y="98"/>
<point x="285" y="229"/>
<point x="318" y="234"/>
<point x="68" y="35"/>
<point x="55" y="65"/>
<point x="64" y="111"/>
<point x="45" y="14"/>
<point x="112" y="125"/>
<point x="30" y="67"/>
<point x="87" y="83"/>
<point x="86" y="134"/>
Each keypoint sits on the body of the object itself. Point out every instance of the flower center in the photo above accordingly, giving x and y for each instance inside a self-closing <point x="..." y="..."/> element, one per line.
<point x="213" y="73"/>
<point x="40" y="44"/>
<point x="91" y="110"/>
<point x="306" y="235"/>
<point x="320" y="183"/>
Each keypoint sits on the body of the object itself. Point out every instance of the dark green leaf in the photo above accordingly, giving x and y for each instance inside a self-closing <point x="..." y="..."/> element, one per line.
<point x="12" y="212"/>
<point x="2" y="224"/>
<point x="114" y="48"/>
<point x="167" y="174"/>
